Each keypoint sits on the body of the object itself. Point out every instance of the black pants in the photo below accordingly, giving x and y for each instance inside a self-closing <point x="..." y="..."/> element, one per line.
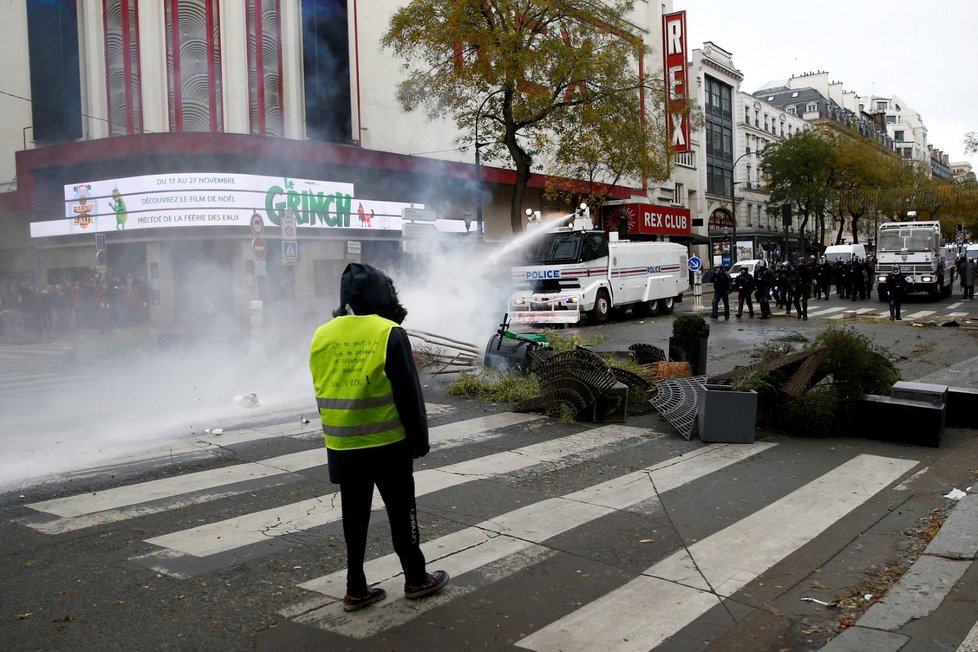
<point x="398" y="495"/>
<point x="801" y="305"/>
<point x="717" y="298"/>
<point x="894" y="306"/>
<point x="744" y="297"/>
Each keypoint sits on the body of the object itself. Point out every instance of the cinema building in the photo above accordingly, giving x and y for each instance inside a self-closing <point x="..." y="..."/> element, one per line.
<point x="223" y="152"/>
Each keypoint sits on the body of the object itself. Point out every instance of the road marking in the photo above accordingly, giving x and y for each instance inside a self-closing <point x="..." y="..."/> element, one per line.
<point x="284" y="520"/>
<point x="673" y="593"/>
<point x="120" y="503"/>
<point x="919" y="314"/>
<point x="512" y="540"/>
<point x="827" y="311"/>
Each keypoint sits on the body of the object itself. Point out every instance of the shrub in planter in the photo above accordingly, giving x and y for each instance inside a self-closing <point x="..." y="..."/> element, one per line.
<point x="690" y="324"/>
<point x="688" y="343"/>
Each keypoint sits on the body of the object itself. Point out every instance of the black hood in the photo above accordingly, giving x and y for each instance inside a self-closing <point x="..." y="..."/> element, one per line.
<point x="369" y="291"/>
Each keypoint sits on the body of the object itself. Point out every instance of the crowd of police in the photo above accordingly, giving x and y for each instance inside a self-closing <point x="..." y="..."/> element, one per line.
<point x="790" y="286"/>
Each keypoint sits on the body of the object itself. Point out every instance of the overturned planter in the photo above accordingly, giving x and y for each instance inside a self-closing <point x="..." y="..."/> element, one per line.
<point x="725" y="414"/>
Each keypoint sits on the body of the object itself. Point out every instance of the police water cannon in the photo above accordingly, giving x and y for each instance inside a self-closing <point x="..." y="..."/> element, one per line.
<point x="582" y="219"/>
<point x="574" y="270"/>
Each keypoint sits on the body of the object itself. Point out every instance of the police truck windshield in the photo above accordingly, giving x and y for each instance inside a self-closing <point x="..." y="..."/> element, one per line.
<point x="923" y="239"/>
<point x="557" y="248"/>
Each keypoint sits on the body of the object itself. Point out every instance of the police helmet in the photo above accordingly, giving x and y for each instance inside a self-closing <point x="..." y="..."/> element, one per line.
<point x="896" y="269"/>
<point x="761" y="264"/>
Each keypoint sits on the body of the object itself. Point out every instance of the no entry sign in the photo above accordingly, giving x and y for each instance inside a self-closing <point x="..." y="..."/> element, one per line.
<point x="258" y="248"/>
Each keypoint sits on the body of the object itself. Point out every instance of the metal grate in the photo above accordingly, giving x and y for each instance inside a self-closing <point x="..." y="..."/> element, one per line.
<point x="647" y="354"/>
<point x="676" y="401"/>
<point x="572" y="379"/>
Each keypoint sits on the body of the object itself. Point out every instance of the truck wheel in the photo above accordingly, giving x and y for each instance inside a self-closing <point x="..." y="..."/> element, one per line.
<point x="602" y="307"/>
<point x="665" y="306"/>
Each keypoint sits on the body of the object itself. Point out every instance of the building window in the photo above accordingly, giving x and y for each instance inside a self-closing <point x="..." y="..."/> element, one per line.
<point x="679" y="195"/>
<point x="193" y="53"/>
<point x="898" y="136"/>
<point x="52" y="43"/>
<point x="326" y="71"/>
<point x="121" y="24"/>
<point x="881" y="106"/>
<point x="891" y="119"/>
<point x="811" y="107"/>
<point x="719" y="136"/>
<point x="264" y="67"/>
<point x="792" y="110"/>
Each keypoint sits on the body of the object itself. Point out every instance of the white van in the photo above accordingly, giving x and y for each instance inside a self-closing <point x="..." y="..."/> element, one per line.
<point x="971" y="251"/>
<point x="844" y="252"/>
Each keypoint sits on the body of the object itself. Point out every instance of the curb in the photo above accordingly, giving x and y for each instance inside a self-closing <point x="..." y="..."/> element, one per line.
<point x="921" y="590"/>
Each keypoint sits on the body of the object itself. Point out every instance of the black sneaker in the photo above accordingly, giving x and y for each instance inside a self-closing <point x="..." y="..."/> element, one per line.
<point x="432" y="584"/>
<point x="353" y="603"/>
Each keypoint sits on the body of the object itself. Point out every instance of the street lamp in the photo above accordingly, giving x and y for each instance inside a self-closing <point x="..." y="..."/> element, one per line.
<point x="478" y="161"/>
<point x="733" y="207"/>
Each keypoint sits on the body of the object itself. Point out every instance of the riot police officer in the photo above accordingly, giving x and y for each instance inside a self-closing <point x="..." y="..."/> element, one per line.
<point x="896" y="285"/>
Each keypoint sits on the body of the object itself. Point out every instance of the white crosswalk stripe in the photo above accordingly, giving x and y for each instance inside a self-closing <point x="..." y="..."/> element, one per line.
<point x="827" y="311"/>
<point x="920" y="314"/>
<point x="255" y="527"/>
<point x="111" y="505"/>
<point x="691" y="581"/>
<point x="491" y="552"/>
<point x="513" y="535"/>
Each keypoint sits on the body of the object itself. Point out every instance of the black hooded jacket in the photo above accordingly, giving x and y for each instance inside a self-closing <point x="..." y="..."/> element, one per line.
<point x="366" y="290"/>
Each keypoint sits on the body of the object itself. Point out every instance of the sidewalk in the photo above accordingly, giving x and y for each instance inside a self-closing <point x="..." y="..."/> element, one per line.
<point x="914" y="604"/>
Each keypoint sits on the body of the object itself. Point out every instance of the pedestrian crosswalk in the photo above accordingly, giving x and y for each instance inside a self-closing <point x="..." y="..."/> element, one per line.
<point x="510" y="490"/>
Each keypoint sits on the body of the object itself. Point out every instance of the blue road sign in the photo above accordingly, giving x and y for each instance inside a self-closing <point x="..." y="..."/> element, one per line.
<point x="695" y="264"/>
<point x="290" y="252"/>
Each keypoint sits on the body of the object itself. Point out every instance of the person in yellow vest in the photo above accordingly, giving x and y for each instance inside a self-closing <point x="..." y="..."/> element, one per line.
<point x="373" y="416"/>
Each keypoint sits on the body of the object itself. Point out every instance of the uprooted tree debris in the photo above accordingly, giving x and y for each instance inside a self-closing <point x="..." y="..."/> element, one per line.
<point x="807" y="390"/>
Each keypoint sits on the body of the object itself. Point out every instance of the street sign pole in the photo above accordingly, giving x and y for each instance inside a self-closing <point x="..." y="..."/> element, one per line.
<point x="696" y="267"/>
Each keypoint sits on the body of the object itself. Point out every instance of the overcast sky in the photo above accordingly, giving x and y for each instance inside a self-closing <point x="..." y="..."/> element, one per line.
<point x="925" y="53"/>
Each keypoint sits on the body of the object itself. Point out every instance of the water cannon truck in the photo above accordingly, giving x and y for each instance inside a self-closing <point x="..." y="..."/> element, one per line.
<point x="573" y="271"/>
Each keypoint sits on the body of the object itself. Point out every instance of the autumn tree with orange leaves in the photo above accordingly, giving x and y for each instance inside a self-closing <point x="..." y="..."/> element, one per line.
<point x="554" y="84"/>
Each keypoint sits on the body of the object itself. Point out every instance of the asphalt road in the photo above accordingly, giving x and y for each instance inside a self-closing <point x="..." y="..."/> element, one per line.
<point x="557" y="535"/>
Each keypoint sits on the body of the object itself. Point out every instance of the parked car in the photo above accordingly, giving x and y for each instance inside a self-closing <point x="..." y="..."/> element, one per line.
<point x="740" y="264"/>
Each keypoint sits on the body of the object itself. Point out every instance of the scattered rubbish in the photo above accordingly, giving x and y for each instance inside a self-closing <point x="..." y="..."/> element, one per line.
<point x="951" y="323"/>
<point x="955" y="494"/>
<point x="304" y="420"/>
<point x="24" y="616"/>
<point x="817" y="601"/>
<point x="868" y="597"/>
<point x="247" y="400"/>
<point x="847" y="622"/>
<point x="214" y="431"/>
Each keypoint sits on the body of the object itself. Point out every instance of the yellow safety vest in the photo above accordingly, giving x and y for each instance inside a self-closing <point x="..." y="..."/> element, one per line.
<point x="355" y="397"/>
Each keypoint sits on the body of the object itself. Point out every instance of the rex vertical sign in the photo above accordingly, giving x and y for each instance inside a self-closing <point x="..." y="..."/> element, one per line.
<point x="677" y="79"/>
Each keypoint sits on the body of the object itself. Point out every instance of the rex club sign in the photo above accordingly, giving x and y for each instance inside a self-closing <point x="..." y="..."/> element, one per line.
<point x="648" y="219"/>
<point x="676" y="75"/>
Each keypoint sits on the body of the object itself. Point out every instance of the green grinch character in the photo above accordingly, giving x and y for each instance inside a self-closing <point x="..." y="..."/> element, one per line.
<point x="119" y="206"/>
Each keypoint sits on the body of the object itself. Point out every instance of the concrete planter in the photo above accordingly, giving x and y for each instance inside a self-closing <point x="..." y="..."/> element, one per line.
<point x="726" y="415"/>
